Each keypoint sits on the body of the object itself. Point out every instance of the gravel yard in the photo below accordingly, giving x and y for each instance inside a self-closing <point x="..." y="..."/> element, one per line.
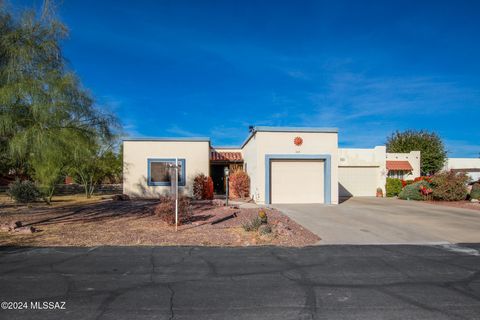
<point x="106" y="222"/>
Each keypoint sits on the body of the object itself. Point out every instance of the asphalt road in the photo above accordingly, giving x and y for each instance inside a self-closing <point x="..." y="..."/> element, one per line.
<point x="323" y="282"/>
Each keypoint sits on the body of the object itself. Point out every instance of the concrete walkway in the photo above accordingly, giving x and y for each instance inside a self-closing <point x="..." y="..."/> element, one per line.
<point x="386" y="221"/>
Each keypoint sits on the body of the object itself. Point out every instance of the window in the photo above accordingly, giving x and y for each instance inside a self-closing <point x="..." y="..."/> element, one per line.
<point x="161" y="172"/>
<point x="396" y="174"/>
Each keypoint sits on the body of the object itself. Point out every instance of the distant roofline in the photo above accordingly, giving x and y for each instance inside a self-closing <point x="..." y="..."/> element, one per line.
<point x="288" y="129"/>
<point x="295" y="129"/>
<point x="252" y="133"/>
<point x="192" y="139"/>
<point x="226" y="147"/>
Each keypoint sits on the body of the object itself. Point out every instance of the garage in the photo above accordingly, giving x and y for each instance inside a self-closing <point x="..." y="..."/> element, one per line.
<point x="297" y="181"/>
<point x="357" y="181"/>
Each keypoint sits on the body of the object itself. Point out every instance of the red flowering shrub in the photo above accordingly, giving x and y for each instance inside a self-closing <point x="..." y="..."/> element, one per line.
<point x="423" y="178"/>
<point x="165" y="210"/>
<point x="406" y="182"/>
<point x="239" y="184"/>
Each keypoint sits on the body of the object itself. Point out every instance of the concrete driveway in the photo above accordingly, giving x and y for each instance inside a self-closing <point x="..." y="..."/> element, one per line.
<point x="386" y="221"/>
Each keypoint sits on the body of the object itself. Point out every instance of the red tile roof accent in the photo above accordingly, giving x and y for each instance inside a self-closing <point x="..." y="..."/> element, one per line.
<point x="399" y="165"/>
<point x="225" y="156"/>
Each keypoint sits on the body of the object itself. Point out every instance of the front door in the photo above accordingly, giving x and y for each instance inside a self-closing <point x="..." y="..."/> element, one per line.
<point x="217" y="174"/>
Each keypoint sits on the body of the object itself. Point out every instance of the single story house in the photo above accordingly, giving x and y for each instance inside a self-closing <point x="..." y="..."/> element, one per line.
<point x="285" y="165"/>
<point x="471" y="166"/>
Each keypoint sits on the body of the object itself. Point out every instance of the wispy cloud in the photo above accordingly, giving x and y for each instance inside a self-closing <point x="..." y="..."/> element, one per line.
<point x="179" y="131"/>
<point x="461" y="148"/>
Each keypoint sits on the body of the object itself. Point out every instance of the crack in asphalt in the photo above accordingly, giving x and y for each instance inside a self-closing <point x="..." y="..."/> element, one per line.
<point x="287" y="268"/>
<point x="172" y="295"/>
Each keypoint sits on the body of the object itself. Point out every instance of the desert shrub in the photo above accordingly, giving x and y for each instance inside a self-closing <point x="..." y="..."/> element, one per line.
<point x="413" y="191"/>
<point x="450" y="186"/>
<point x="265" y="229"/>
<point x="165" y="210"/>
<point x="199" y="183"/>
<point x="23" y="191"/>
<point x="393" y="187"/>
<point x="252" y="225"/>
<point x="475" y="193"/>
<point x="239" y="184"/>
<point x="263" y="216"/>
<point x="208" y="191"/>
<point x="202" y="187"/>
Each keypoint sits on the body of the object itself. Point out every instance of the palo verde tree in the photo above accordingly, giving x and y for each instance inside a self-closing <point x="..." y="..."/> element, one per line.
<point x="433" y="154"/>
<point x="93" y="162"/>
<point x="44" y="111"/>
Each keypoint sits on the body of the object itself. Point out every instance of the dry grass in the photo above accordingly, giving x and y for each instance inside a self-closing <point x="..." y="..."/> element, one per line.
<point x="76" y="221"/>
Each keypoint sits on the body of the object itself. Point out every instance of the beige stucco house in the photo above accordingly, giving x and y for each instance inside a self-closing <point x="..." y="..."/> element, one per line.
<point x="285" y="165"/>
<point x="471" y="166"/>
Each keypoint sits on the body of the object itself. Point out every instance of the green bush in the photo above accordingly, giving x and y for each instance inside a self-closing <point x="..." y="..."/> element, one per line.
<point x="23" y="191"/>
<point x="265" y="229"/>
<point x="412" y="191"/>
<point x="450" y="186"/>
<point x="475" y="193"/>
<point x="393" y="187"/>
<point x="252" y="225"/>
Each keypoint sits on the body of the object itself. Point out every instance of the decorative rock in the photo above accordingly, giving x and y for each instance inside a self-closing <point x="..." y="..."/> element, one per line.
<point x="5" y="227"/>
<point x="24" y="230"/>
<point x="283" y="229"/>
<point x="474" y="200"/>
<point x="16" y="224"/>
<point x="121" y="197"/>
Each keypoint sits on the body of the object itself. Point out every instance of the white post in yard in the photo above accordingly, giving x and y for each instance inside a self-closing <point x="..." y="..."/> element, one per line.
<point x="176" y="194"/>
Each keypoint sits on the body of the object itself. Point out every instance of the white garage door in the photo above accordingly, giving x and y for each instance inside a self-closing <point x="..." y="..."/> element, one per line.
<point x="297" y="181"/>
<point x="357" y="181"/>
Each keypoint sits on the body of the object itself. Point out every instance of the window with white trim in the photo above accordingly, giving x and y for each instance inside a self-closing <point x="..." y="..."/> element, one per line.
<point x="161" y="172"/>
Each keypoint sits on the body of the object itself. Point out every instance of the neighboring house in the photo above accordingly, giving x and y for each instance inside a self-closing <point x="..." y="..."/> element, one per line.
<point x="404" y="166"/>
<point x="285" y="165"/>
<point x="471" y="166"/>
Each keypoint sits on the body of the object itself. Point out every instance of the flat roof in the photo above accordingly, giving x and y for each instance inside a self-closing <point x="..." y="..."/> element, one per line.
<point x="193" y="139"/>
<point x="288" y="129"/>
<point x="295" y="129"/>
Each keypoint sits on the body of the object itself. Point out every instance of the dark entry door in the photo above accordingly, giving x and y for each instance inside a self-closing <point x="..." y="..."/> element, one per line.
<point x="217" y="173"/>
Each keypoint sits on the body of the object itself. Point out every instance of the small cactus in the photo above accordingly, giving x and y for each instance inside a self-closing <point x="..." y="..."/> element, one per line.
<point x="263" y="216"/>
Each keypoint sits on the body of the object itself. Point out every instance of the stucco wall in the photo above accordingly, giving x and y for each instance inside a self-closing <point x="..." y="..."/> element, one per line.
<point x="413" y="157"/>
<point x="250" y="162"/>
<point x="352" y="157"/>
<point x="314" y="143"/>
<point x="464" y="163"/>
<point x="135" y="165"/>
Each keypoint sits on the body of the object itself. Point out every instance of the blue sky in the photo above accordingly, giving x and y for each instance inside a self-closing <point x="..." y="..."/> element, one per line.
<point x="211" y="68"/>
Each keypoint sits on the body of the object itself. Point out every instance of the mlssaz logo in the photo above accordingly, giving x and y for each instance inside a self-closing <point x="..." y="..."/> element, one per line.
<point x="298" y="141"/>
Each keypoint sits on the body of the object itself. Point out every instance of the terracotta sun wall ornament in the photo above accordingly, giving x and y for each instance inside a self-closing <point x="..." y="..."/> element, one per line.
<point x="298" y="141"/>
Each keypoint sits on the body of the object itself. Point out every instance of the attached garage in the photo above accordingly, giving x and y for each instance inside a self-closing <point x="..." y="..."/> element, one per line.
<point x="297" y="181"/>
<point x="358" y="181"/>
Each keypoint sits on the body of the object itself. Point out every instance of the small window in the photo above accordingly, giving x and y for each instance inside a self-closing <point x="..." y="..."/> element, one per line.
<point x="161" y="173"/>
<point x="396" y="174"/>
